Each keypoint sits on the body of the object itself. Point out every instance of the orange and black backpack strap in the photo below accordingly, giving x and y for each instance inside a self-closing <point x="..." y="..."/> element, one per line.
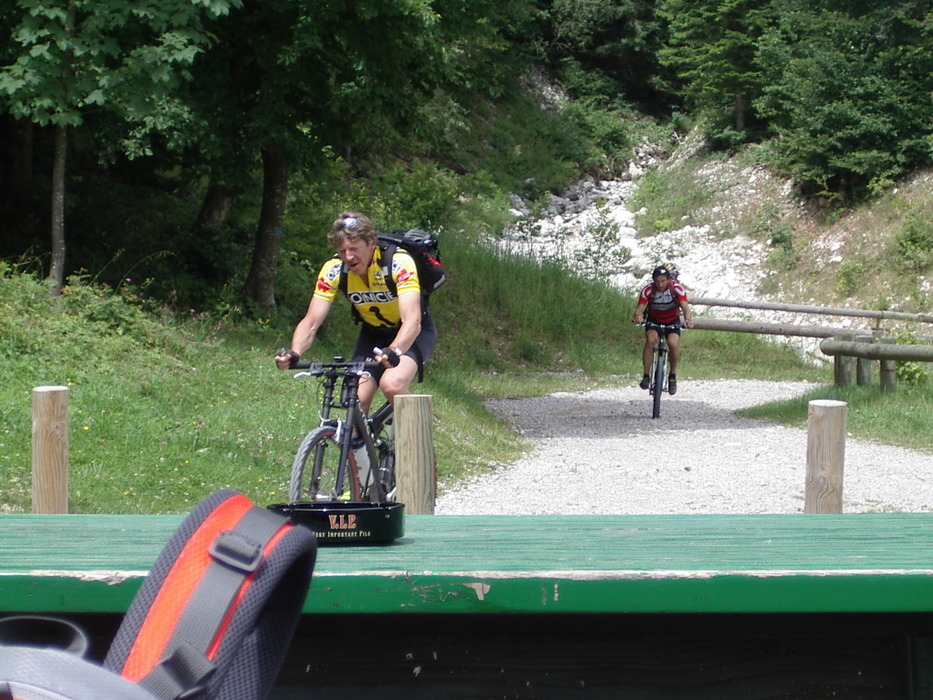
<point x="215" y="615"/>
<point x="212" y="621"/>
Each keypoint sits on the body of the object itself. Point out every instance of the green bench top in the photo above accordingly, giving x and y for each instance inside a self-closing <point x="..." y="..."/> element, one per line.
<point x="521" y="564"/>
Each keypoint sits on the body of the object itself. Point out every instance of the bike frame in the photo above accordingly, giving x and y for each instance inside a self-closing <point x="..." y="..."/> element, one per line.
<point x="659" y="361"/>
<point x="356" y="421"/>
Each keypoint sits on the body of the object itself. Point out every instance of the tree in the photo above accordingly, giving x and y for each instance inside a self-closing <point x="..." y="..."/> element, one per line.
<point x="618" y="39"/>
<point x="711" y="47"/>
<point x="125" y="55"/>
<point x="298" y="82"/>
<point x="849" y="93"/>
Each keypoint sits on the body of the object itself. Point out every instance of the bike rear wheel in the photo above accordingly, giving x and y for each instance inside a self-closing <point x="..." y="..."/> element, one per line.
<point x="658" y="384"/>
<point x="383" y="428"/>
<point x="387" y="469"/>
<point x="316" y="470"/>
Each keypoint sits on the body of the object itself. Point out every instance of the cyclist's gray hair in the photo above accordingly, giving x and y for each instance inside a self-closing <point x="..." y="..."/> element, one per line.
<point x="351" y="226"/>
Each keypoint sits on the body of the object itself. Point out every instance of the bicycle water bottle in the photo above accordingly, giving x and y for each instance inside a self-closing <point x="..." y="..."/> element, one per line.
<point x="360" y="456"/>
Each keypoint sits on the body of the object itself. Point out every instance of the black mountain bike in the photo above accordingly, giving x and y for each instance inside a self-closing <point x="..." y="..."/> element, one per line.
<point x="325" y="466"/>
<point x="658" y="372"/>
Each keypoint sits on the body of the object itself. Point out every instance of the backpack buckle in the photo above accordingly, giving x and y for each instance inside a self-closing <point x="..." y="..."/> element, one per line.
<point x="234" y="550"/>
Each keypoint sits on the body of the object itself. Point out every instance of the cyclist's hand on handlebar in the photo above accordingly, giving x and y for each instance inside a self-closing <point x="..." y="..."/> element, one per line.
<point x="388" y="358"/>
<point x="688" y="323"/>
<point x="286" y="358"/>
<point x="639" y="319"/>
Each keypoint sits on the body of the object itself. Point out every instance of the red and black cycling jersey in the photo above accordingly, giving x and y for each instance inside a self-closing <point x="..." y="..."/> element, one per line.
<point x="663" y="307"/>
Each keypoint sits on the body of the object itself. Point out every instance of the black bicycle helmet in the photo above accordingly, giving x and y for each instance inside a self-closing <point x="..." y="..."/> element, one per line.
<point x="660" y="270"/>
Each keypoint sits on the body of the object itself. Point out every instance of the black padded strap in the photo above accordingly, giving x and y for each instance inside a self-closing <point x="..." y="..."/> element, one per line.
<point x="236" y="554"/>
<point x="182" y="675"/>
<point x="387" y="253"/>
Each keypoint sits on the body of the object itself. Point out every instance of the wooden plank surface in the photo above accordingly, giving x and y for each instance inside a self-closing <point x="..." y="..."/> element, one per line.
<point x="520" y="564"/>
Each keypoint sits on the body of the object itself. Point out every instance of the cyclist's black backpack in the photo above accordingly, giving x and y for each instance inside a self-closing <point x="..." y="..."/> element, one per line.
<point x="423" y="248"/>
<point x="212" y="620"/>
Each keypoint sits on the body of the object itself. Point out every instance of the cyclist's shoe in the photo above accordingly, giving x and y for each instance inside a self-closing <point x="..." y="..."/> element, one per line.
<point x="672" y="384"/>
<point x="645" y="382"/>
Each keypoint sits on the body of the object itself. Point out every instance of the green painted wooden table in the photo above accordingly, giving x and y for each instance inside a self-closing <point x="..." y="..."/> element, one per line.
<point x="760" y="606"/>
<point x="522" y="564"/>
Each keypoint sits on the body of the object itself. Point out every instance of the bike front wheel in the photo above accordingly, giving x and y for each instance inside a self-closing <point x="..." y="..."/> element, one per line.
<point x="316" y="473"/>
<point x="658" y="385"/>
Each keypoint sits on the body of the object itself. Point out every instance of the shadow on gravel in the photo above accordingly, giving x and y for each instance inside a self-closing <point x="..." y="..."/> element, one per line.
<point x="591" y="417"/>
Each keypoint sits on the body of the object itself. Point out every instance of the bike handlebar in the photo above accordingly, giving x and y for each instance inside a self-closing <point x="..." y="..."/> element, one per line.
<point x="336" y="367"/>
<point x="661" y="326"/>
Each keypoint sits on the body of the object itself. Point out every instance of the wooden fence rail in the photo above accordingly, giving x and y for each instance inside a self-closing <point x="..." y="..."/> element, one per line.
<point x="853" y="351"/>
<point x="819" y="310"/>
<point x="877" y="351"/>
<point x="720" y="324"/>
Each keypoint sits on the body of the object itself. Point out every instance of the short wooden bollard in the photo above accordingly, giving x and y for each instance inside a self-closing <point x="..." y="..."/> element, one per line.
<point x="863" y="364"/>
<point x="50" y="449"/>
<point x="844" y="366"/>
<point x="826" y="444"/>
<point x="415" y="464"/>
<point x="888" y="375"/>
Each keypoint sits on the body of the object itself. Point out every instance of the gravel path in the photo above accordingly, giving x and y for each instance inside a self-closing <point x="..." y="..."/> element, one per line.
<point x="591" y="456"/>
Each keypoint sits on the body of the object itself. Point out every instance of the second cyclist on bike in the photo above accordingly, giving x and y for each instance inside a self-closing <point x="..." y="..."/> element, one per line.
<point x="399" y="322"/>
<point x="662" y="302"/>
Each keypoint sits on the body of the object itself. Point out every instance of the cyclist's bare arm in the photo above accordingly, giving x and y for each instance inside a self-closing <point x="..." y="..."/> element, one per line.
<point x="639" y="314"/>
<point x="305" y="332"/>
<point x="688" y="317"/>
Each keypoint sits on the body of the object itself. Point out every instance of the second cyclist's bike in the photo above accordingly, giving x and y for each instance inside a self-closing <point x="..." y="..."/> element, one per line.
<point x="658" y="374"/>
<point x="348" y="457"/>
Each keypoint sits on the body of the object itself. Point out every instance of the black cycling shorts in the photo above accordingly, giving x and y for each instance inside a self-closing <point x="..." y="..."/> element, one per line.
<point x="420" y="351"/>
<point x="671" y="327"/>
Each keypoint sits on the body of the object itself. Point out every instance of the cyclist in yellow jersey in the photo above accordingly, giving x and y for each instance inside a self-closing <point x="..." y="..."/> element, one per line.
<point x="399" y="323"/>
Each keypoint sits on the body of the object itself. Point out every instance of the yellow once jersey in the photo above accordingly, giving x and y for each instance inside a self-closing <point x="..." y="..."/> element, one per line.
<point x="373" y="299"/>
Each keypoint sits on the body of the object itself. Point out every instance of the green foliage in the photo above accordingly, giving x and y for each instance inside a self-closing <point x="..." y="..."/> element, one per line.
<point x="913" y="244"/>
<point x="849" y="277"/>
<point x="604" y="135"/>
<point x="124" y="56"/>
<point x="558" y="321"/>
<point x="781" y="239"/>
<point x="666" y="198"/>
<point x="848" y="93"/>
<point x="711" y="46"/>
<point x="605" y="232"/>
<point x="606" y="48"/>
<point x="898" y="417"/>
<point x="910" y="373"/>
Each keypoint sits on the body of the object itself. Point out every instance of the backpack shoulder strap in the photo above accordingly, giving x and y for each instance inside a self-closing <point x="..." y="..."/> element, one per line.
<point x="220" y="604"/>
<point x="388" y="252"/>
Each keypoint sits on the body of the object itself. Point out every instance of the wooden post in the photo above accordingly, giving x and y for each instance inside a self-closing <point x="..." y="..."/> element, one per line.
<point x="415" y="464"/>
<point x="888" y="375"/>
<point x="863" y="364"/>
<point x="826" y="446"/>
<point x="50" y="449"/>
<point x="844" y="365"/>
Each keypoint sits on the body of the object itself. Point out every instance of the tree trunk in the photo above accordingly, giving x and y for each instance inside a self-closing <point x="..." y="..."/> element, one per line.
<point x="739" y="109"/>
<point x="57" y="266"/>
<point x="214" y="208"/>
<point x="260" y="283"/>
